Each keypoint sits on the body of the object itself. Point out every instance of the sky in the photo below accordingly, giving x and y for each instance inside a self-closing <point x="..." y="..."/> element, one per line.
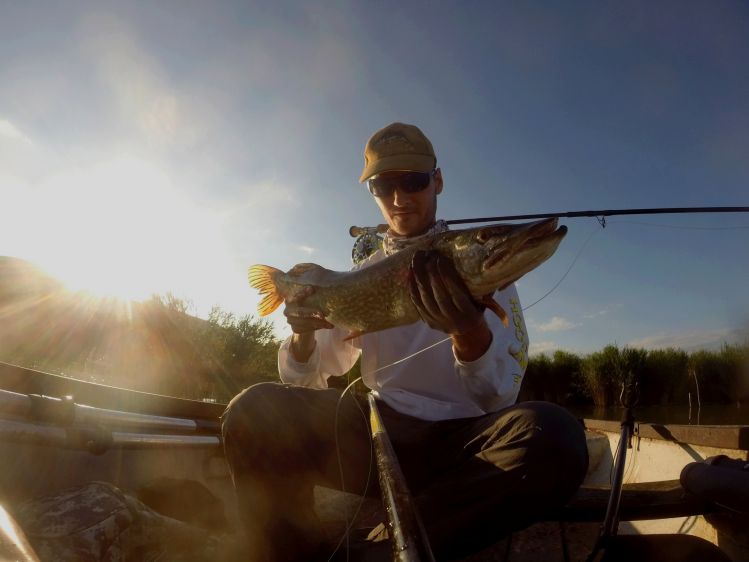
<point x="148" y="147"/>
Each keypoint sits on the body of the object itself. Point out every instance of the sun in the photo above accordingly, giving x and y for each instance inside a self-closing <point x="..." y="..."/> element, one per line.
<point x="119" y="228"/>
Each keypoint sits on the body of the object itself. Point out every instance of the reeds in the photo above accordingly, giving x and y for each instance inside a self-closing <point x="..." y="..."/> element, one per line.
<point x="662" y="376"/>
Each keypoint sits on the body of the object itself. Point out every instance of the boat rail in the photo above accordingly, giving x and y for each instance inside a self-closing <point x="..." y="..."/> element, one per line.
<point x="45" y="420"/>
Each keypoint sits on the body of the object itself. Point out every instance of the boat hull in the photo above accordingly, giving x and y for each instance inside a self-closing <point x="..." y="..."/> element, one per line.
<point x="162" y="438"/>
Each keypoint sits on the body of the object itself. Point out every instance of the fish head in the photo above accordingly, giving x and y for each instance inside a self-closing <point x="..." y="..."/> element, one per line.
<point x="492" y="257"/>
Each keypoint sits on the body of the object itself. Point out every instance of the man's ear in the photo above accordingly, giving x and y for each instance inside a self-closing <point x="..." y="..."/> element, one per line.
<point x="438" y="181"/>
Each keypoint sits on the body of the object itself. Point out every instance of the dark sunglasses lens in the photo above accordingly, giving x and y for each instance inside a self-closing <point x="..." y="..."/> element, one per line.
<point x="412" y="182"/>
<point x="416" y="181"/>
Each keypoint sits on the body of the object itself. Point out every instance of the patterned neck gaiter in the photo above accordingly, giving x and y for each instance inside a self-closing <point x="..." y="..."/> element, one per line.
<point x="392" y="243"/>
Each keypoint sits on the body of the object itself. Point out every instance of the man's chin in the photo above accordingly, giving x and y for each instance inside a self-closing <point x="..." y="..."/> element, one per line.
<point x="408" y="225"/>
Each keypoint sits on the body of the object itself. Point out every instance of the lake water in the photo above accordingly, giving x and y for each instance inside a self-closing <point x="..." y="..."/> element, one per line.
<point x="708" y="414"/>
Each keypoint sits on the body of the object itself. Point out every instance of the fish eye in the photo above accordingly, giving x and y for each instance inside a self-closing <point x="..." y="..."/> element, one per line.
<point x="483" y="235"/>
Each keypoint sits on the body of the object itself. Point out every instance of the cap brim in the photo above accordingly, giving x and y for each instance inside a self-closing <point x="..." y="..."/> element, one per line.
<point x="399" y="163"/>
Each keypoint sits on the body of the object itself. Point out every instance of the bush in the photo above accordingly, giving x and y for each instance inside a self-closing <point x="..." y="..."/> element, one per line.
<point x="664" y="377"/>
<point x="535" y="379"/>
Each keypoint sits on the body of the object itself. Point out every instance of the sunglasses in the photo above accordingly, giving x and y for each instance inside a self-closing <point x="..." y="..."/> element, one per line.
<point x="408" y="182"/>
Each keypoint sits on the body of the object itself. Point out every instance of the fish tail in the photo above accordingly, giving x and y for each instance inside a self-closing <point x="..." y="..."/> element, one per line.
<point x="261" y="278"/>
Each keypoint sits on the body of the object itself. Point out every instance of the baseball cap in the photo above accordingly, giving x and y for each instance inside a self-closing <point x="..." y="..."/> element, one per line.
<point x="398" y="147"/>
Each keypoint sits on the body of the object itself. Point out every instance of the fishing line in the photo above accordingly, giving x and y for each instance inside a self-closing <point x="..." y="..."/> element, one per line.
<point x="574" y="261"/>
<point x="350" y="524"/>
<point x="678" y="227"/>
<point x="641" y="223"/>
<point x="414" y="354"/>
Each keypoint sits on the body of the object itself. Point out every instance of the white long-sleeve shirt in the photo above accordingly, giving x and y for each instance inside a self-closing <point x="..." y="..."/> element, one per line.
<point x="432" y="384"/>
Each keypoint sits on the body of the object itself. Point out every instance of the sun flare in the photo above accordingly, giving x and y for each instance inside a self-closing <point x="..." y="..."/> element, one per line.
<point x="119" y="228"/>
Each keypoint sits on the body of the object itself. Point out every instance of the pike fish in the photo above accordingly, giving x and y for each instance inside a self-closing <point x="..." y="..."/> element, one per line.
<point x="377" y="297"/>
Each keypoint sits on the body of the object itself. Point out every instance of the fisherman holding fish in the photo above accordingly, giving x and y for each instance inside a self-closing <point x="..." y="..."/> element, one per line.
<point x="436" y="319"/>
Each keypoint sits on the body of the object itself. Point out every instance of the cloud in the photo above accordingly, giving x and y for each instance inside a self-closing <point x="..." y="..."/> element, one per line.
<point x="537" y="348"/>
<point x="10" y="132"/>
<point x="309" y="250"/>
<point x="595" y="314"/>
<point x="602" y="312"/>
<point x="689" y="341"/>
<point x="556" y="324"/>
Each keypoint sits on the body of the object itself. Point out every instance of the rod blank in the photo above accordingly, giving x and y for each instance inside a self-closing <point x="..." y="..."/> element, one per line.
<point x="358" y="230"/>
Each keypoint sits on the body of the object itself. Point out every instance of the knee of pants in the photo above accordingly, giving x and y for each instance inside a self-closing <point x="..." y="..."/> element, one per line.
<point x="556" y="438"/>
<point x="251" y="408"/>
<point x="562" y="442"/>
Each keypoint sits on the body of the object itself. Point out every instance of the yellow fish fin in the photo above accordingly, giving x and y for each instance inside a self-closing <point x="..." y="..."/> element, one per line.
<point x="497" y="309"/>
<point x="261" y="278"/>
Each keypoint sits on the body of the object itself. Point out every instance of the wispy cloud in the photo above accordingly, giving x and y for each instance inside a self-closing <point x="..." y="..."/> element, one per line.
<point x="10" y="132"/>
<point x="536" y="348"/>
<point x="309" y="250"/>
<point x="706" y="339"/>
<point x="602" y="312"/>
<point x="556" y="324"/>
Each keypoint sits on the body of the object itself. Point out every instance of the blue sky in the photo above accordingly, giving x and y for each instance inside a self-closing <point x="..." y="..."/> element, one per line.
<point x="147" y="147"/>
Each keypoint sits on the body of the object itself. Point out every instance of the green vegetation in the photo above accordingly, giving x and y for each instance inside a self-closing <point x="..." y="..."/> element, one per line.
<point x="153" y="346"/>
<point x="662" y="376"/>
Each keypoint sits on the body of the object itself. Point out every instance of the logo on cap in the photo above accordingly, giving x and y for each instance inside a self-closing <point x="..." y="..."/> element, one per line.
<point x="394" y="141"/>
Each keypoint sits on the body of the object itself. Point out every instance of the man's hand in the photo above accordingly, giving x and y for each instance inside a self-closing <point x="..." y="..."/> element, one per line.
<point x="445" y="304"/>
<point x="441" y="296"/>
<point x="303" y="319"/>
<point x="304" y="322"/>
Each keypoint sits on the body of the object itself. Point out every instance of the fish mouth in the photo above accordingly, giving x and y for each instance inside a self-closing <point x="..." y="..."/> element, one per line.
<point x="525" y="245"/>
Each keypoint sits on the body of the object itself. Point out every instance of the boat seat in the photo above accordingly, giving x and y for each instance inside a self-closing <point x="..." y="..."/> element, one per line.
<point x="640" y="501"/>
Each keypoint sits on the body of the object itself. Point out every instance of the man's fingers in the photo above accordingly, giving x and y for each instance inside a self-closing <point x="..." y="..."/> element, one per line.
<point x="460" y="297"/>
<point x="413" y="288"/>
<point x="440" y="289"/>
<point x="302" y="325"/>
<point x="420" y="265"/>
<point x="303" y="319"/>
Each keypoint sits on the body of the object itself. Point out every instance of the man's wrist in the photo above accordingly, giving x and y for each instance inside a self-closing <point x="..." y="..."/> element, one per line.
<point x="302" y="346"/>
<point x="471" y="345"/>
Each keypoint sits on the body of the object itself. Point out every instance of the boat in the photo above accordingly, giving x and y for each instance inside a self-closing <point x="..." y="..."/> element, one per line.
<point x="59" y="434"/>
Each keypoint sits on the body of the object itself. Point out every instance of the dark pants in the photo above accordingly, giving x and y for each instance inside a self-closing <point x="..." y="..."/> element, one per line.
<point x="474" y="479"/>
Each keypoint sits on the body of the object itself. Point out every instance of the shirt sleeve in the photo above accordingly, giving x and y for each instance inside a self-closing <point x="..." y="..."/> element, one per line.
<point x="494" y="379"/>
<point x="333" y="356"/>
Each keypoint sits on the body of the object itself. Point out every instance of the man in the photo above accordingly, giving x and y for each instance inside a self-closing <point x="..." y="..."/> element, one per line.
<point x="478" y="465"/>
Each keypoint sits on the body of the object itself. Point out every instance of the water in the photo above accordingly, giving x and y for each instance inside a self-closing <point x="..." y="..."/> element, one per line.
<point x="708" y="414"/>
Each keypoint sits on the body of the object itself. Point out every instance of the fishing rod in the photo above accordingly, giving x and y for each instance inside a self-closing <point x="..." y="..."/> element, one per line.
<point x="610" y="526"/>
<point x="608" y="213"/>
<point x="355" y="231"/>
<point x="409" y="541"/>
